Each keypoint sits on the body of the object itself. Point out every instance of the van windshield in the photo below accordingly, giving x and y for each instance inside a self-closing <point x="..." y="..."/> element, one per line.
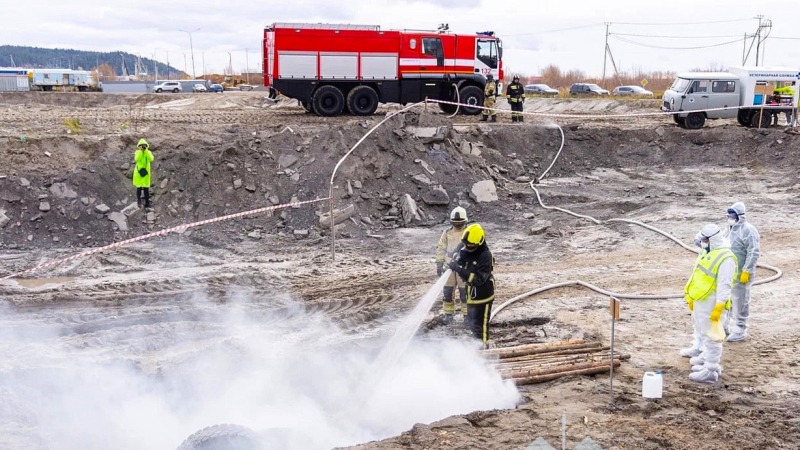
<point x="680" y="84"/>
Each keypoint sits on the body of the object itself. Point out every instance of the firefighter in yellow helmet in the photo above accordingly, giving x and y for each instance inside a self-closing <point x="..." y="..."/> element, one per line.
<point x="447" y="248"/>
<point x="516" y="98"/>
<point x="489" y="93"/>
<point x="474" y="264"/>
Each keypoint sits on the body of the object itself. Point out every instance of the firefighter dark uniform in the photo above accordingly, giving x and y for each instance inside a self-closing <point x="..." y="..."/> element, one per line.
<point x="516" y="98"/>
<point x="474" y="265"/>
<point x="489" y="92"/>
<point x="446" y="250"/>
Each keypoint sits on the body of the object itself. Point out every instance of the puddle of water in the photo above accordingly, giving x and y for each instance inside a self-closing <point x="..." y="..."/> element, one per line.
<point x="32" y="283"/>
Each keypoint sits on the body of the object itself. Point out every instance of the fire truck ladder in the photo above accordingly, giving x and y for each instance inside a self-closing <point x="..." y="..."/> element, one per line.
<point x="326" y="26"/>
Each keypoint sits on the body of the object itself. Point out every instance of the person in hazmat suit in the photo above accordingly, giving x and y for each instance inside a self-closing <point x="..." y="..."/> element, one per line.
<point x="489" y="93"/>
<point x="745" y="244"/>
<point x="516" y="98"/>
<point x="142" y="159"/>
<point x="475" y="264"/>
<point x="708" y="294"/>
<point x="448" y="247"/>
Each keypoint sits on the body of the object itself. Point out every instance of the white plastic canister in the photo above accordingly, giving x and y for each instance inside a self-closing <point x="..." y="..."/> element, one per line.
<point x="652" y="385"/>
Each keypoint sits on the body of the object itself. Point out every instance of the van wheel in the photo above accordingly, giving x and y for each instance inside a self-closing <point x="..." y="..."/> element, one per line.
<point x="743" y="117"/>
<point x="328" y="101"/>
<point x="471" y="95"/>
<point x="695" y="121"/>
<point x="760" y="120"/>
<point x="362" y="101"/>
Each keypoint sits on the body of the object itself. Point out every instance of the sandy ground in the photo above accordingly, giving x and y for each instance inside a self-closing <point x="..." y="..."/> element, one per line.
<point x="132" y="328"/>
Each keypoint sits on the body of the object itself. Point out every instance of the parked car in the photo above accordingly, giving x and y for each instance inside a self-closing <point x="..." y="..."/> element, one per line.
<point x="246" y="87"/>
<point x="586" y="89"/>
<point x="168" y="86"/>
<point x="632" y="90"/>
<point x="216" y="88"/>
<point x="199" y="88"/>
<point x="541" y="89"/>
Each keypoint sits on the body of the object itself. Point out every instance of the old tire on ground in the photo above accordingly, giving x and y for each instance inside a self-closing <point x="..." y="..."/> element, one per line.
<point x="759" y="120"/>
<point x="743" y="117"/>
<point x="224" y="436"/>
<point x="328" y="101"/>
<point x="681" y="121"/>
<point x="695" y="121"/>
<point x="362" y="101"/>
<point x="471" y="95"/>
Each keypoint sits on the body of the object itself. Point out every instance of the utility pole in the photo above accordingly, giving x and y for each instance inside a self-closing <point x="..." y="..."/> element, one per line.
<point x="247" y="63"/>
<point x="191" y="48"/>
<point x="605" y="52"/>
<point x="204" y="63"/>
<point x="758" y="36"/>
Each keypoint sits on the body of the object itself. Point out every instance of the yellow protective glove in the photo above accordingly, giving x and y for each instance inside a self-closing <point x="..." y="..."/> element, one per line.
<point x="690" y="302"/>
<point x="744" y="278"/>
<point x="717" y="312"/>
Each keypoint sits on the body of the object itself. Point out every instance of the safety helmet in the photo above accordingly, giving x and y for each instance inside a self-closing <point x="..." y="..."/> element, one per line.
<point x="458" y="214"/>
<point x="516" y="78"/>
<point x="473" y="236"/>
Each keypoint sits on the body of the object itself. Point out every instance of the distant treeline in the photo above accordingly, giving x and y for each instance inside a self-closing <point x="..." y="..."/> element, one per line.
<point x="46" y="58"/>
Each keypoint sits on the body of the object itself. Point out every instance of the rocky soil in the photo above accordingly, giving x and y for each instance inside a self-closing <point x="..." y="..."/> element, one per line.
<point x="65" y="187"/>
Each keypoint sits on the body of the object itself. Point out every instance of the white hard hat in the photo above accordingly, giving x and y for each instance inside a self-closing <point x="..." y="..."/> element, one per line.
<point x="458" y="214"/>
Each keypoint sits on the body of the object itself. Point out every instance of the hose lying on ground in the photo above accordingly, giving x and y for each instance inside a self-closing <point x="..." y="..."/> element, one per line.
<point x="778" y="273"/>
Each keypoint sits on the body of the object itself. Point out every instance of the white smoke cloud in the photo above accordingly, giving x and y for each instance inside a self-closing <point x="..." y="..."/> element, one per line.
<point x="264" y="364"/>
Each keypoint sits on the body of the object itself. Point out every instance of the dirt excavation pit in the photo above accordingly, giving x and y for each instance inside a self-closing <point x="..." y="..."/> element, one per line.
<point x="247" y="330"/>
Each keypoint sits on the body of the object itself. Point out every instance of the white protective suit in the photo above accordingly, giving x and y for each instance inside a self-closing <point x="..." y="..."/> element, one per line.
<point x="744" y="239"/>
<point x="708" y="352"/>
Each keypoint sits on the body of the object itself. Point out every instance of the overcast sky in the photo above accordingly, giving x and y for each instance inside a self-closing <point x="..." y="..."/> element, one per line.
<point x="645" y="35"/>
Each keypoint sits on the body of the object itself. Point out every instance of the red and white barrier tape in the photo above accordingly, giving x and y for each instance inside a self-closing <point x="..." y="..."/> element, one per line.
<point x="585" y="116"/>
<point x="159" y="233"/>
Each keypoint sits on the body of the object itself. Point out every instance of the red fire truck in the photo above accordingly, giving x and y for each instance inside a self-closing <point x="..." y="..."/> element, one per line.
<point x="334" y="68"/>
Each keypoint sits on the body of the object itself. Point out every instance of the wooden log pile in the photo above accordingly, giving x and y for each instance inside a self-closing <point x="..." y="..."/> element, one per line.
<point x="537" y="363"/>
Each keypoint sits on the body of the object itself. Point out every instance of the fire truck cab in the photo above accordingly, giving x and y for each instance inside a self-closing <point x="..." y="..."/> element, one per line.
<point x="330" y="69"/>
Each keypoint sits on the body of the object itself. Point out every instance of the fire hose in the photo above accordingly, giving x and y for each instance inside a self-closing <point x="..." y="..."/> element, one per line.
<point x="777" y="272"/>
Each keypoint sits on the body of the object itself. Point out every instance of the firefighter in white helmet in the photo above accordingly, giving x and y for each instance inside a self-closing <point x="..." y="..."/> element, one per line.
<point x="445" y="250"/>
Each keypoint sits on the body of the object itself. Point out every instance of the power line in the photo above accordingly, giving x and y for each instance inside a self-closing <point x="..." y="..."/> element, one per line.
<point x="680" y="23"/>
<point x="737" y="41"/>
<point x="677" y="37"/>
<point x="786" y="38"/>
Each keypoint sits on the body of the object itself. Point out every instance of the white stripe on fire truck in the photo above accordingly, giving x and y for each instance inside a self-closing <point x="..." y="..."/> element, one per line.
<point x="432" y="62"/>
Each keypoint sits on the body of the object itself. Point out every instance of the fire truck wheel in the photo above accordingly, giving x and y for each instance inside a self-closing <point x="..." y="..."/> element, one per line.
<point x="362" y="101"/>
<point x="695" y="121"/>
<point x="307" y="106"/>
<point x="447" y="109"/>
<point x="328" y="101"/>
<point x="471" y="95"/>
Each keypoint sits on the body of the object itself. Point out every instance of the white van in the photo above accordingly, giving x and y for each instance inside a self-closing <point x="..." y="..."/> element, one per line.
<point x="745" y="93"/>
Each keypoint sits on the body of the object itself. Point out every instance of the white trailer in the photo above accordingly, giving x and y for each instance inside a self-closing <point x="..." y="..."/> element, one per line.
<point x="47" y="79"/>
<point x="13" y="79"/>
<point x="753" y="95"/>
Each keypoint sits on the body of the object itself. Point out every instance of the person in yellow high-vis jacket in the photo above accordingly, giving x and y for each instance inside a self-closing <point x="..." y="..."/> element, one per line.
<point x="708" y="295"/>
<point x="446" y="250"/>
<point x="142" y="159"/>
